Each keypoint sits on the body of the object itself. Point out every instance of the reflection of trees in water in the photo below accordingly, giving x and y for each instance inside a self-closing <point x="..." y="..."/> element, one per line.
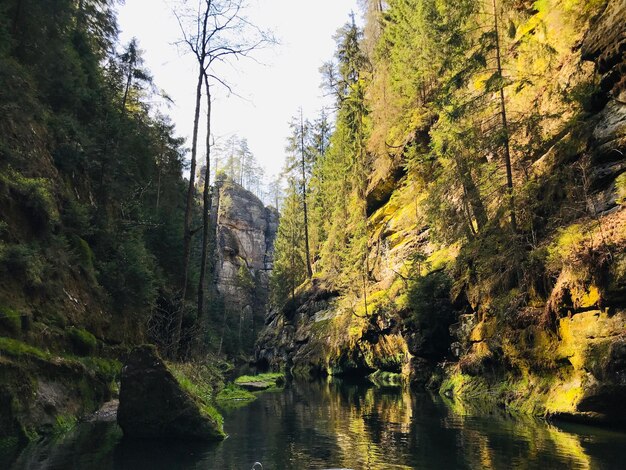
<point x="374" y="428"/>
<point x="500" y="441"/>
<point x="335" y="423"/>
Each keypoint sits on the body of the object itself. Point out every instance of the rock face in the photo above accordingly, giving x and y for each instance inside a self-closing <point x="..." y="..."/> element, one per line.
<point x="605" y="43"/>
<point x="35" y="391"/>
<point x="153" y="404"/>
<point x="246" y="230"/>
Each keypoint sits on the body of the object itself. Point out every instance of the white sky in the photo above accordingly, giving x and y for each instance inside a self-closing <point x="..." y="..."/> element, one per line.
<point x="274" y="89"/>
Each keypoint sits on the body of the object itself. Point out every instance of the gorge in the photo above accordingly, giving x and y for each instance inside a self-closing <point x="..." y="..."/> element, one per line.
<point x="436" y="276"/>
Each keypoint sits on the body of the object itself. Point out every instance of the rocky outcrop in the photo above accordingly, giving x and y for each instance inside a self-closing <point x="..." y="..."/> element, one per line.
<point x="245" y="235"/>
<point x="605" y="44"/>
<point x="318" y="334"/>
<point x="41" y="393"/>
<point x="154" y="405"/>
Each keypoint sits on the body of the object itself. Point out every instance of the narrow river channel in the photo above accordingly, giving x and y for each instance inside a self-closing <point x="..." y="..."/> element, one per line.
<point x="335" y="424"/>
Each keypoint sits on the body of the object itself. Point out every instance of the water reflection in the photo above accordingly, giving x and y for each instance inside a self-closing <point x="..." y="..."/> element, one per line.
<point x="355" y="425"/>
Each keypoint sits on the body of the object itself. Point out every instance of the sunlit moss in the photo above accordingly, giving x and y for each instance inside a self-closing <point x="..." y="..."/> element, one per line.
<point x="17" y="348"/>
<point x="196" y="381"/>
<point x="568" y="240"/>
<point x="268" y="380"/>
<point x="64" y="424"/>
<point x="232" y="392"/>
<point x="441" y="258"/>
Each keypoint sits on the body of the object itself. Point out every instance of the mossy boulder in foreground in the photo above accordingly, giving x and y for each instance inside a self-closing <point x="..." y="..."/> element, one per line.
<point x="153" y="404"/>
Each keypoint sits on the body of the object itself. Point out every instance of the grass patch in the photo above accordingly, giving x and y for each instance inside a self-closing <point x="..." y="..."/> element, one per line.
<point x="15" y="348"/>
<point x="232" y="392"/>
<point x="275" y="379"/>
<point x="192" y="380"/>
<point x="64" y="424"/>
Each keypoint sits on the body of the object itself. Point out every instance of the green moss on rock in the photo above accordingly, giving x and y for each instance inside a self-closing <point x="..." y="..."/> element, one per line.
<point x="232" y="392"/>
<point x="10" y="320"/>
<point x="83" y="342"/>
<point x="261" y="382"/>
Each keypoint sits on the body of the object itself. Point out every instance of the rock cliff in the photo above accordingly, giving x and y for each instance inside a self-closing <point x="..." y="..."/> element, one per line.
<point x="557" y="350"/>
<point x="245" y="233"/>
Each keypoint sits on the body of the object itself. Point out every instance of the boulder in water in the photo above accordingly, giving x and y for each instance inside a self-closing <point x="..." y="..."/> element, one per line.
<point x="153" y="404"/>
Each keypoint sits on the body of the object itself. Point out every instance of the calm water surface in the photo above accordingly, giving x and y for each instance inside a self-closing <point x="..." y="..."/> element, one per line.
<point x="324" y="425"/>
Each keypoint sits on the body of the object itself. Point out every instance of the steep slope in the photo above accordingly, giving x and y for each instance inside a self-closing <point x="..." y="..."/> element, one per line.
<point x="542" y="331"/>
<point x="90" y="211"/>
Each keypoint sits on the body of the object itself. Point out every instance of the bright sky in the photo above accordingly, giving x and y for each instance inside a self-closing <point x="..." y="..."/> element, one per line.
<point x="273" y="90"/>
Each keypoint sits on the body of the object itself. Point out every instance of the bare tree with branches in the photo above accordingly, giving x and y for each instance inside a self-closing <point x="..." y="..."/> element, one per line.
<point x="214" y="31"/>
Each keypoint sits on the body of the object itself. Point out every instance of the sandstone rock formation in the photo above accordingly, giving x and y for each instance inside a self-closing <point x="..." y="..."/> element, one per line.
<point x="245" y="233"/>
<point x="605" y="43"/>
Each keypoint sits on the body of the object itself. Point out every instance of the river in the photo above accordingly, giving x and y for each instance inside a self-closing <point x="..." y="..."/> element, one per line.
<point x="335" y="424"/>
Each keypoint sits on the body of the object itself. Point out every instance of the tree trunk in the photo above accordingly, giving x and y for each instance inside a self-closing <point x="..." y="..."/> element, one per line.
<point x="129" y="82"/>
<point x="471" y="192"/>
<point x="309" y="269"/>
<point x="158" y="195"/>
<point x="505" y="127"/>
<point x="188" y="215"/>
<point x="219" y="349"/>
<point x="206" y="214"/>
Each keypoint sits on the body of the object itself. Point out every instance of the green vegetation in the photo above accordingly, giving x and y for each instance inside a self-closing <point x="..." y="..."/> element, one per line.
<point x="10" y="320"/>
<point x="91" y="176"/>
<point x="83" y="341"/>
<point x="24" y="261"/>
<point x="63" y="424"/>
<point x="460" y="207"/>
<point x="457" y="211"/>
<point x="264" y="381"/>
<point x="198" y="381"/>
<point x="35" y="194"/>
<point x="234" y="393"/>
<point x="17" y="349"/>
<point x="109" y="369"/>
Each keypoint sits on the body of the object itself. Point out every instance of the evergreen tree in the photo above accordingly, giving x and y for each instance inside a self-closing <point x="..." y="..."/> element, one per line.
<point x="290" y="258"/>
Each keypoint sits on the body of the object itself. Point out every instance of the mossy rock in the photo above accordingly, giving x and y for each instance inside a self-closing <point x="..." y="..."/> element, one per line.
<point x="10" y="320"/>
<point x="153" y="404"/>
<point x="234" y="392"/>
<point x="261" y="382"/>
<point x="83" y="342"/>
